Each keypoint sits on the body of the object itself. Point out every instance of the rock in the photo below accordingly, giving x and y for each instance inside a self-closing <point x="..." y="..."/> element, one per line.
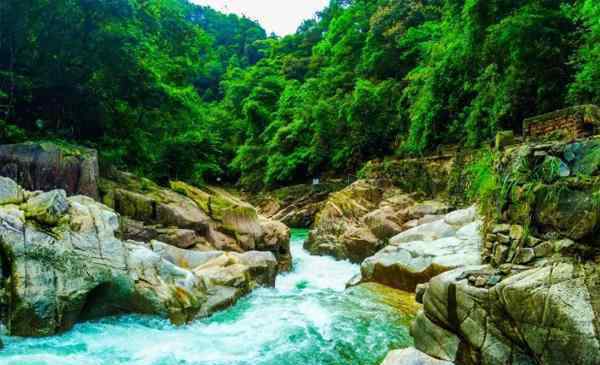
<point x="501" y="228"/>
<point x="276" y="239"/>
<point x="504" y="138"/>
<point x="542" y="315"/>
<point x="10" y="192"/>
<point x="525" y="255"/>
<point x="500" y="254"/>
<point x="76" y="269"/>
<point x="470" y="231"/>
<point x="403" y="267"/>
<point x="430" y="207"/>
<point x="411" y="356"/>
<point x="295" y="206"/>
<point x="382" y="222"/>
<point x="207" y="218"/>
<point x="516" y="232"/>
<point x="142" y="200"/>
<point x="418" y="254"/>
<point x="461" y="217"/>
<point x="544" y="249"/>
<point x="47" y="208"/>
<point x="47" y="166"/>
<point x="339" y="230"/>
<point x="437" y="341"/>
<point x="426" y="232"/>
<point x="358" y="243"/>
<point x="420" y="292"/>
<point x="572" y="213"/>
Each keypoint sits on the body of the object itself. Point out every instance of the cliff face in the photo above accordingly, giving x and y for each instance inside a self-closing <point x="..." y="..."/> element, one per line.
<point x="45" y="166"/>
<point x="536" y="301"/>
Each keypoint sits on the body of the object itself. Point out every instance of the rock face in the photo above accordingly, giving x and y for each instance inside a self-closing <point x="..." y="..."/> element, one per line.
<point x="420" y="253"/>
<point x="46" y="166"/>
<point x="188" y="217"/>
<point x="545" y="315"/>
<point x="536" y="302"/>
<point x="62" y="263"/>
<point x="358" y="221"/>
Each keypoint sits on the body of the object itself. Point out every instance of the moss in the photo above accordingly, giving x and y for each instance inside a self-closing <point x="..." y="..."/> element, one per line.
<point x="215" y="202"/>
<point x="67" y="149"/>
<point x="590" y="163"/>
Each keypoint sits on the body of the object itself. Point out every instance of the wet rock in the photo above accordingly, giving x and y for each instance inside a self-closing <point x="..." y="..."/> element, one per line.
<point x="426" y="232"/>
<point x="572" y="213"/>
<point x="207" y="218"/>
<point x="338" y="230"/>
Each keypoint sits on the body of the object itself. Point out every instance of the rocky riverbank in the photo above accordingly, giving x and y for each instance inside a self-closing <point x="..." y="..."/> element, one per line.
<point x="536" y="301"/>
<point x="182" y="252"/>
<point x="62" y="263"/>
<point x="531" y="297"/>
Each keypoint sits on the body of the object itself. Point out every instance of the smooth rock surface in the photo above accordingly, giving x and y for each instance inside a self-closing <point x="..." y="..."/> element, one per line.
<point x="418" y="254"/>
<point x="545" y="315"/>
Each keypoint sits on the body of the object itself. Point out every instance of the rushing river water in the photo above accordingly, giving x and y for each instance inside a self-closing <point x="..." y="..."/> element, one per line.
<point x="308" y="319"/>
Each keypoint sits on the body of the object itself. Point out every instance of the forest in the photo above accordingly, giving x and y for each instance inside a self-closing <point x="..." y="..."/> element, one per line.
<point x="172" y="90"/>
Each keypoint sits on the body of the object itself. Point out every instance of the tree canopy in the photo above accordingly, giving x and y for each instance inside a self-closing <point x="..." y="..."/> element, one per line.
<point x="174" y="90"/>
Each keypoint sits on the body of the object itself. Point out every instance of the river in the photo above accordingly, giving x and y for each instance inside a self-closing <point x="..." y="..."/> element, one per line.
<point x="307" y="319"/>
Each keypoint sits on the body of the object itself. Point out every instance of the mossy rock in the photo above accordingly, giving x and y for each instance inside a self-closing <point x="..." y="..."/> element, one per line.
<point x="573" y="213"/>
<point x="589" y="163"/>
<point x="216" y="202"/>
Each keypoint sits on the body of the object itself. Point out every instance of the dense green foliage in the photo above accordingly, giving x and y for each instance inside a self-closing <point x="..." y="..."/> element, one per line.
<point x="179" y="91"/>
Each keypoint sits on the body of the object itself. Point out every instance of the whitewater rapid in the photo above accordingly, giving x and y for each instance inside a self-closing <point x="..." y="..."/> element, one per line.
<point x="307" y="319"/>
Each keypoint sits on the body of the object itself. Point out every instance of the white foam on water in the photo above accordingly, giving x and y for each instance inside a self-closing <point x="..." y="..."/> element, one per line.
<point x="305" y="320"/>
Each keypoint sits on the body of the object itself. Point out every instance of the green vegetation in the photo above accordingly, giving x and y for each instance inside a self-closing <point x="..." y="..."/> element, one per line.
<point x="171" y="90"/>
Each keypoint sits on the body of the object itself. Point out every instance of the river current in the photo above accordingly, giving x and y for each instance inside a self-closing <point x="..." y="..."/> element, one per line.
<point x="307" y="319"/>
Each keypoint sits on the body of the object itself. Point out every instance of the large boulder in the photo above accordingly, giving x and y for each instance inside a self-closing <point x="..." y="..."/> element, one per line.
<point x="420" y="253"/>
<point x="239" y="219"/>
<point x="357" y="221"/>
<point x="47" y="166"/>
<point x="544" y="315"/>
<point x="73" y="267"/>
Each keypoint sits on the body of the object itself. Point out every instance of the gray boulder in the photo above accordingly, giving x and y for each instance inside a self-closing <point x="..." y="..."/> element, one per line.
<point x="47" y="166"/>
<point x="546" y="315"/>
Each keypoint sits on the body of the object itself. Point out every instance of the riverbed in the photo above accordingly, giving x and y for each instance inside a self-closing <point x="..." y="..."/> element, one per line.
<point x="307" y="319"/>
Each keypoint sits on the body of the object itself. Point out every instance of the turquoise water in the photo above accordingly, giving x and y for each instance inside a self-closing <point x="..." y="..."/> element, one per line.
<point x="308" y="319"/>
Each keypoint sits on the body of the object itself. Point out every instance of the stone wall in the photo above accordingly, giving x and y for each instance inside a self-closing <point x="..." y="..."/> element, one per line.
<point x="576" y="122"/>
